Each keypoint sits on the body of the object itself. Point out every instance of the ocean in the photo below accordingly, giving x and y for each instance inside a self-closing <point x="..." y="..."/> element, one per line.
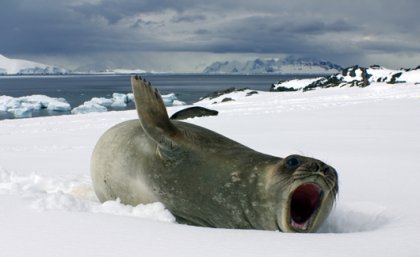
<point x="78" y="89"/>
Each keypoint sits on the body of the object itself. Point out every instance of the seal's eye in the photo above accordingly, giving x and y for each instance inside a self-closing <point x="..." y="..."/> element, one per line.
<point x="292" y="162"/>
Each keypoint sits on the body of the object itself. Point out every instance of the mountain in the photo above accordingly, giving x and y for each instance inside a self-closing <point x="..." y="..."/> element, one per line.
<point x="354" y="76"/>
<point x="23" y="67"/>
<point x="288" y="65"/>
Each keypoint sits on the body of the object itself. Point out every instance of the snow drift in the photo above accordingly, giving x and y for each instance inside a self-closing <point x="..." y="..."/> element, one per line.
<point x="370" y="135"/>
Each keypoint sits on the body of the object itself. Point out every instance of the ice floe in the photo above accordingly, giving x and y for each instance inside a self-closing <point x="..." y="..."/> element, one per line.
<point x="118" y="101"/>
<point x="23" y="107"/>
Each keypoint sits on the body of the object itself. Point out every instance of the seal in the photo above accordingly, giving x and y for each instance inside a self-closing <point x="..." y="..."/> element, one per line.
<point x="192" y="112"/>
<point x="204" y="178"/>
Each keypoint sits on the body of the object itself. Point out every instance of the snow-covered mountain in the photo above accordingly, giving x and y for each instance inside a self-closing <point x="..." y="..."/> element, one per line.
<point x="288" y="65"/>
<point x="23" y="67"/>
<point x="353" y="76"/>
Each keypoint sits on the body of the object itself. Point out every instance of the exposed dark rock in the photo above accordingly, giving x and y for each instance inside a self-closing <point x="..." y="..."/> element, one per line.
<point x="331" y="81"/>
<point x="355" y="76"/>
<point x="338" y="79"/>
<point x="223" y="92"/>
<point x="227" y="99"/>
<point x="275" y="88"/>
<point x="251" y="93"/>
<point x="395" y="77"/>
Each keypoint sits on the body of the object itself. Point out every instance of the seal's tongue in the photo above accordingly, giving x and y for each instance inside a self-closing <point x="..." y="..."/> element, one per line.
<point x="304" y="202"/>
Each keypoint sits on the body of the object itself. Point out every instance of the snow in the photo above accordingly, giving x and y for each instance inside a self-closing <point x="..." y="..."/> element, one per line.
<point x="16" y="66"/>
<point x="370" y="135"/>
<point x="296" y="84"/>
<point x="127" y="71"/>
<point x="381" y="74"/>
<point x="412" y="76"/>
<point x="353" y="76"/>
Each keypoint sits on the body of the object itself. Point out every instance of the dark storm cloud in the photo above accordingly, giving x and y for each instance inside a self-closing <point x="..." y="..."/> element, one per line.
<point x="189" y="18"/>
<point x="339" y="29"/>
<point x="115" y="10"/>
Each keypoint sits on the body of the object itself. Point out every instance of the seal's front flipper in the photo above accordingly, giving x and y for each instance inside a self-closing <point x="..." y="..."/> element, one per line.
<point x="192" y="112"/>
<point x="152" y="112"/>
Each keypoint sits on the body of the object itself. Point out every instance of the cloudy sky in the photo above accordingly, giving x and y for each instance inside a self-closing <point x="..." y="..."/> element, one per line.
<point x="186" y="35"/>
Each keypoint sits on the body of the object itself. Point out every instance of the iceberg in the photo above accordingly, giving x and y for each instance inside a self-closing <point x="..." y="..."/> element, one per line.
<point x="58" y="106"/>
<point x="130" y="97"/>
<point x="23" y="107"/>
<point x="88" y="107"/>
<point x="45" y="102"/>
<point x="21" y="112"/>
<point x="8" y="102"/>
<point x="171" y="100"/>
<point x="119" y="100"/>
<point x="107" y="102"/>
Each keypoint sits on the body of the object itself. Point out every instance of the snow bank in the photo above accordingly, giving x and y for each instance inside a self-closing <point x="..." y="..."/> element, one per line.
<point x="292" y="85"/>
<point x="412" y="76"/>
<point x="370" y="135"/>
<point x="73" y="195"/>
<point x="22" y="107"/>
<point x="228" y="95"/>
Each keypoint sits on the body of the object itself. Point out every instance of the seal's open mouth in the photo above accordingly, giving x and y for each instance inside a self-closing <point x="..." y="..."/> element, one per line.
<point x="304" y="203"/>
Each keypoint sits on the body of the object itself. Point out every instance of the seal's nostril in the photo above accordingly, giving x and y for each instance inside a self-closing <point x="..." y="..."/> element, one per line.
<point x="314" y="167"/>
<point x="326" y="170"/>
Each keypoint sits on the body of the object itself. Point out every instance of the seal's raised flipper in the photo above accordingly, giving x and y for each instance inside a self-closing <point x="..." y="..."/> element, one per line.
<point x="152" y="112"/>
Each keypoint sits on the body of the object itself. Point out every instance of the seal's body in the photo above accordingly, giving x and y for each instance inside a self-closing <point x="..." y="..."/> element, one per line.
<point x="206" y="179"/>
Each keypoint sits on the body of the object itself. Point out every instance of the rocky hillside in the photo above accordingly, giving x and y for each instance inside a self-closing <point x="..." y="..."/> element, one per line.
<point x="353" y="76"/>
<point x="289" y="65"/>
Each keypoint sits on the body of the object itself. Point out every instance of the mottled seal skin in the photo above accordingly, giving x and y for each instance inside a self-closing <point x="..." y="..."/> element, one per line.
<point x="192" y="112"/>
<point x="206" y="179"/>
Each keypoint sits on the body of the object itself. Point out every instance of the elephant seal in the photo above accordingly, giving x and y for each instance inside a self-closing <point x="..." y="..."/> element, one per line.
<point x="204" y="178"/>
<point x="192" y="112"/>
